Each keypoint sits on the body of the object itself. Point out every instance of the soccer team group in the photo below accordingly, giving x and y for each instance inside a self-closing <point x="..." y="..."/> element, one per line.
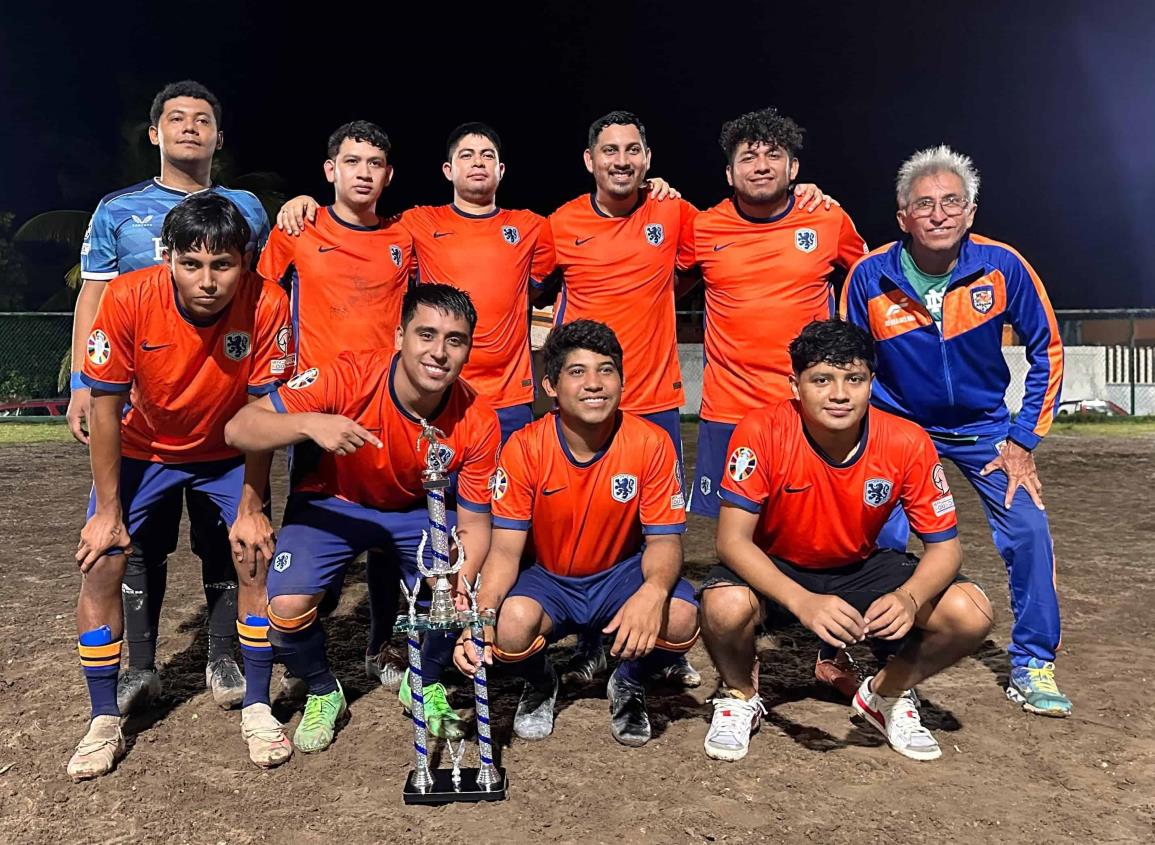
<point x="204" y="343"/>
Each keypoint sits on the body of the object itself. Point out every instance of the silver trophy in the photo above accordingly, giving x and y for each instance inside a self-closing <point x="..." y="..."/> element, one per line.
<point x="427" y="785"/>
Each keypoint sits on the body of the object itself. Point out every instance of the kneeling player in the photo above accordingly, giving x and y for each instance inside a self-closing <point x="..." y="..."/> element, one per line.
<point x="809" y="484"/>
<point x="598" y="490"/>
<point x="187" y="338"/>
<point x="367" y="411"/>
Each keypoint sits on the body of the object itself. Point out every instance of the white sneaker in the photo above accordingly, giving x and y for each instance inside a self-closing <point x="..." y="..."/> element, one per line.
<point x="98" y="752"/>
<point x="897" y="719"/>
<point x="735" y="718"/>
<point x="265" y="736"/>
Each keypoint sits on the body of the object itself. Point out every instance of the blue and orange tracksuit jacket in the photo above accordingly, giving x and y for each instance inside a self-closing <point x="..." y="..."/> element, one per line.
<point x="953" y="381"/>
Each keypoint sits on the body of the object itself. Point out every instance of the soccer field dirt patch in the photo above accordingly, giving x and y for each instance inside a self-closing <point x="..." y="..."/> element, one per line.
<point x="811" y="775"/>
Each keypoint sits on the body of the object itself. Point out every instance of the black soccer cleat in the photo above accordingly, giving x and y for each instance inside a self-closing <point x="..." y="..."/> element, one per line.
<point x="136" y="690"/>
<point x="223" y="677"/>
<point x="629" y="721"/>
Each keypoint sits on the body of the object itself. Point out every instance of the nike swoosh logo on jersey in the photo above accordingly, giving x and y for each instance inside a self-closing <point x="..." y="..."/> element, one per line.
<point x="580" y="241"/>
<point x="441" y="234"/>
<point x="328" y="248"/>
<point x="145" y="346"/>
<point x="790" y="489"/>
<point x="720" y="247"/>
<point x="545" y="492"/>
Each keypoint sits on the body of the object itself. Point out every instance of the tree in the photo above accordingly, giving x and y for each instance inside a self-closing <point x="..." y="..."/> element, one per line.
<point x="13" y="279"/>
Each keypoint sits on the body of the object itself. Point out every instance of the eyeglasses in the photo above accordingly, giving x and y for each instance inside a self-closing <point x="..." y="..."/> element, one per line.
<point x="952" y="205"/>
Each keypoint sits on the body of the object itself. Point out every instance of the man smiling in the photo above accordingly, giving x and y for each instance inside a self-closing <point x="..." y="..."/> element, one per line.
<point x="936" y="303"/>
<point x="596" y="492"/>
<point x="366" y="410"/>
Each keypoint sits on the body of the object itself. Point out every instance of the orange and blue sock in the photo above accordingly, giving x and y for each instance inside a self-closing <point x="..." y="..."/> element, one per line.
<point x="257" y="656"/>
<point x="100" y="659"/>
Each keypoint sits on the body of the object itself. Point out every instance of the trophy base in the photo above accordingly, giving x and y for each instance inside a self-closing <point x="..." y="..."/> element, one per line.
<point x="442" y="791"/>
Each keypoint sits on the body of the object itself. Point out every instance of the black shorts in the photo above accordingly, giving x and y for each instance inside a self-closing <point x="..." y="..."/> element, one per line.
<point x="858" y="584"/>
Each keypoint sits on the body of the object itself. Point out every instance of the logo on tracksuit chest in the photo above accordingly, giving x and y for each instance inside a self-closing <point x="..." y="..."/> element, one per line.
<point x="983" y="298"/>
<point x="510" y="235"/>
<point x="655" y="234"/>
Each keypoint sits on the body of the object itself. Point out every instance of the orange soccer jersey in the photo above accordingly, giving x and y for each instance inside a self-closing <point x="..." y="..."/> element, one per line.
<point x="586" y="517"/>
<point x="765" y="280"/>
<point x="620" y="271"/>
<point x="187" y="379"/>
<point x="819" y="515"/>
<point x="494" y="258"/>
<point x="359" y="385"/>
<point x="346" y="283"/>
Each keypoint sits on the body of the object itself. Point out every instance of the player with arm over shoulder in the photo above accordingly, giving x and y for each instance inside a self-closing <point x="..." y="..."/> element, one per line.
<point x="619" y="249"/>
<point x="189" y="342"/>
<point x="936" y="303"/>
<point x="597" y="491"/>
<point x="809" y="484"/>
<point x="184" y="123"/>
<point x="367" y="411"/>
<point x="766" y="260"/>
<point x="347" y="269"/>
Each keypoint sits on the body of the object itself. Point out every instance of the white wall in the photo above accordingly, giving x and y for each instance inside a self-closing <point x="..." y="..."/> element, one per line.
<point x="1084" y="377"/>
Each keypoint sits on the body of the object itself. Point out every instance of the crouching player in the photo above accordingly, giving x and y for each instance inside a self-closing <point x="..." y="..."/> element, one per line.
<point x="597" y="490"/>
<point x="366" y="410"/>
<point x="808" y="486"/>
<point x="188" y="339"/>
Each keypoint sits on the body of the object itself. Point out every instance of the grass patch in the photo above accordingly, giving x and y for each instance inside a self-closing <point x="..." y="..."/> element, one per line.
<point x="1102" y="425"/>
<point x="25" y="432"/>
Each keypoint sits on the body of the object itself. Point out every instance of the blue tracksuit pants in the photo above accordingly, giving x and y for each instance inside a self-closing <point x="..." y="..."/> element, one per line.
<point x="1022" y="536"/>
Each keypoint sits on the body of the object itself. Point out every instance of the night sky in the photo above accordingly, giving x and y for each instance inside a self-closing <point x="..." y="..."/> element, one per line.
<point x="1054" y="101"/>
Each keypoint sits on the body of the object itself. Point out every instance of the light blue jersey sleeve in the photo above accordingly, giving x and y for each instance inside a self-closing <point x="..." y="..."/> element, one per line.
<point x="255" y="216"/>
<point x="98" y="257"/>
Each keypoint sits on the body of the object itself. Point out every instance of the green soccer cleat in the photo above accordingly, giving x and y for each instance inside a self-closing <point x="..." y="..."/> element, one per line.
<point x="442" y="720"/>
<point x="319" y="724"/>
<point x="1033" y="686"/>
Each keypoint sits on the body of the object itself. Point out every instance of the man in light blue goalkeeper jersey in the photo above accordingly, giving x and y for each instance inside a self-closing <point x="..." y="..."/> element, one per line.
<point x="124" y="235"/>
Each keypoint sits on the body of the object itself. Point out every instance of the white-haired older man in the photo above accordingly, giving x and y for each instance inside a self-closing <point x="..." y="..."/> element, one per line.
<point x="936" y="303"/>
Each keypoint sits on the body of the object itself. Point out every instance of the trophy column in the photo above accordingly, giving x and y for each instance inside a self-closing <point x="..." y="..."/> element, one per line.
<point x="428" y="785"/>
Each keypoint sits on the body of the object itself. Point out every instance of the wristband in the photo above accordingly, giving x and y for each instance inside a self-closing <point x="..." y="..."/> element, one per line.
<point x="76" y="382"/>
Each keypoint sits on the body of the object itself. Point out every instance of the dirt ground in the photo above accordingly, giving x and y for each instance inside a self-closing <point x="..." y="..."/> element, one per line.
<point x="811" y="775"/>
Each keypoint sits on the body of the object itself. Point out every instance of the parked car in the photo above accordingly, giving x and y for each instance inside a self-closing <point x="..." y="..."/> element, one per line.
<point x="1100" y="407"/>
<point x="34" y="408"/>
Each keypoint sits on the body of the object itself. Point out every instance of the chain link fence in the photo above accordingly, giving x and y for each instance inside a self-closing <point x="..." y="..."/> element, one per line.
<point x="34" y="348"/>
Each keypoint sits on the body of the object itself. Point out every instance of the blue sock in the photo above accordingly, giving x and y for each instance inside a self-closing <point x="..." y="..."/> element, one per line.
<point x="100" y="658"/>
<point x="257" y="656"/>
<point x="303" y="653"/>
